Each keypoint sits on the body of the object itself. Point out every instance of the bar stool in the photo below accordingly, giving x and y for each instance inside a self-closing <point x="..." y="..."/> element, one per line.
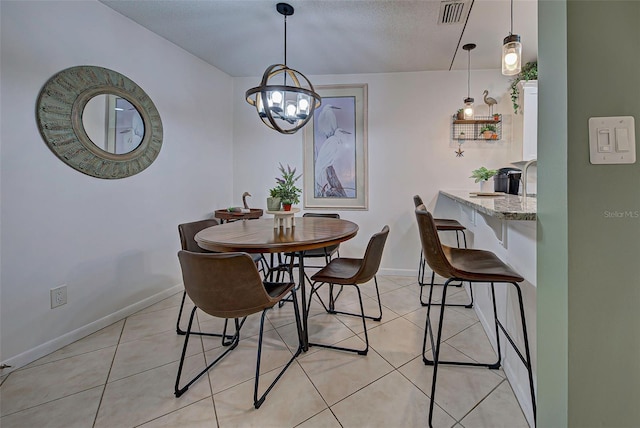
<point x="442" y="225"/>
<point x="458" y="264"/>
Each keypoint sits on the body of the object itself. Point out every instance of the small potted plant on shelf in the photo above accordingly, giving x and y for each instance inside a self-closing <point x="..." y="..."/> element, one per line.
<point x="286" y="188"/>
<point x="482" y="175"/>
<point x="489" y="132"/>
<point x="460" y="114"/>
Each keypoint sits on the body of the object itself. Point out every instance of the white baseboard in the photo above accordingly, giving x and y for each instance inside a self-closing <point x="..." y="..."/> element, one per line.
<point x="46" y="348"/>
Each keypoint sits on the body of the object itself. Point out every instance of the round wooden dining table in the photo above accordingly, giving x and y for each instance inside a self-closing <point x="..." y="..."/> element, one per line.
<point x="260" y="236"/>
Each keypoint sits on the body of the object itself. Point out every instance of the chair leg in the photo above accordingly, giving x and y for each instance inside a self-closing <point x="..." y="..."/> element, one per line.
<point x="181" y="332"/>
<point x="331" y="308"/>
<point x="364" y="351"/>
<point x="428" y="331"/>
<point x="333" y="298"/>
<point x="257" y="402"/>
<point x="236" y="338"/>
<point x="421" y="268"/>
<point x="465" y="305"/>
<point x="436" y="351"/>
<point x="527" y="361"/>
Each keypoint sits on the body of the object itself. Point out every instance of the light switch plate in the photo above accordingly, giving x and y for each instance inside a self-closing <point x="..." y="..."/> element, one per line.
<point x="612" y="140"/>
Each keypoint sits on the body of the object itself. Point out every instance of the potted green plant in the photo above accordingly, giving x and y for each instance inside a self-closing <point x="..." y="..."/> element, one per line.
<point x="488" y="131"/>
<point x="273" y="201"/>
<point x="482" y="175"/>
<point x="528" y="72"/>
<point x="460" y="114"/>
<point x="286" y="188"/>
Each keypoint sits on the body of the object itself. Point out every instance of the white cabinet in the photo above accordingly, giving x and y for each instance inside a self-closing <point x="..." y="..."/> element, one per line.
<point x="524" y="145"/>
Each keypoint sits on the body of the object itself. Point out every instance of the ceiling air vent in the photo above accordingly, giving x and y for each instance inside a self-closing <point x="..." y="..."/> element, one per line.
<point x="452" y="11"/>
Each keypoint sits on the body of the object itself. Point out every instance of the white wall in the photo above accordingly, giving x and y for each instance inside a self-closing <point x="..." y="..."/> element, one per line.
<point x="409" y="150"/>
<point x="112" y="242"/>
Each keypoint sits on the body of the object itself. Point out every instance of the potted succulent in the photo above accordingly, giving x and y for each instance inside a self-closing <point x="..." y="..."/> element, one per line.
<point x="488" y="131"/>
<point x="482" y="175"/>
<point x="460" y="114"/>
<point x="286" y="188"/>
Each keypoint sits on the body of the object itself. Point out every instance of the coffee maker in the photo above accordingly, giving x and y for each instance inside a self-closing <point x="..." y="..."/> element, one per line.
<point x="507" y="180"/>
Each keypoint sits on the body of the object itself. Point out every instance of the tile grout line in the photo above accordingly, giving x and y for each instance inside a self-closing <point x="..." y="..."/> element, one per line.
<point x="420" y="389"/>
<point x="106" y="381"/>
<point x="204" y="356"/>
<point x="480" y="401"/>
<point x="195" y="402"/>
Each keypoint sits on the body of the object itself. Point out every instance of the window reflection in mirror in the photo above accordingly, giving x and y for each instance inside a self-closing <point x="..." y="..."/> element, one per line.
<point x="113" y="124"/>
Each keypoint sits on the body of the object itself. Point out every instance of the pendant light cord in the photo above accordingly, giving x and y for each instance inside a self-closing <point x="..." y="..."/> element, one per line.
<point x="468" y="73"/>
<point x="511" y="30"/>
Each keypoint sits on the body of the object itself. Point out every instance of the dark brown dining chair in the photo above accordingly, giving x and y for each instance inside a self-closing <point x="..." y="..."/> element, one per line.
<point x="442" y="225"/>
<point x="187" y="232"/>
<point x="354" y="272"/>
<point x="229" y="286"/>
<point x="476" y="266"/>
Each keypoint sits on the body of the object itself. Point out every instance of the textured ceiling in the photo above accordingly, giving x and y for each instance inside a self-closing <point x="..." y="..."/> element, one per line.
<point x="243" y="37"/>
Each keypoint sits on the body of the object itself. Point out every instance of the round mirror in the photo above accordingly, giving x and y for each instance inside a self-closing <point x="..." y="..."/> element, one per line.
<point x="99" y="122"/>
<point x="113" y="124"/>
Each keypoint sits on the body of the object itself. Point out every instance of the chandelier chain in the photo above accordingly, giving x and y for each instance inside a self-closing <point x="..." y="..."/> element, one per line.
<point x="285" y="39"/>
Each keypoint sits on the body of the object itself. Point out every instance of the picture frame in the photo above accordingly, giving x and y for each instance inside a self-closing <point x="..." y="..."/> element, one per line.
<point x="335" y="150"/>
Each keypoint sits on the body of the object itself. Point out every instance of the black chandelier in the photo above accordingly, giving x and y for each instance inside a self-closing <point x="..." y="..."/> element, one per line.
<point x="281" y="106"/>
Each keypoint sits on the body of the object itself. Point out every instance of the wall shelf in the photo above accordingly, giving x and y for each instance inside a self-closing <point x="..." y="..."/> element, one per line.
<point x="462" y="130"/>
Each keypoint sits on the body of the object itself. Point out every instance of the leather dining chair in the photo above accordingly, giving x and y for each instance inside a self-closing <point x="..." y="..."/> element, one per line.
<point x="187" y="232"/>
<point x="229" y="286"/>
<point x="354" y="272"/>
<point x="477" y="266"/>
<point x="442" y="225"/>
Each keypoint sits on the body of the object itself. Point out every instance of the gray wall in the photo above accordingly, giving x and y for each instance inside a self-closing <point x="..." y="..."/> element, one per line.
<point x="604" y="252"/>
<point x="589" y="279"/>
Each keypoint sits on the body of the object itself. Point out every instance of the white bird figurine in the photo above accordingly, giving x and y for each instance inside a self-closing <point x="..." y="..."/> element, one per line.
<point x="244" y="199"/>
<point x="489" y="101"/>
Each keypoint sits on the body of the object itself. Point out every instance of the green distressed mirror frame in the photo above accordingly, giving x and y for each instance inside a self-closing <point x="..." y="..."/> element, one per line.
<point x="59" y="116"/>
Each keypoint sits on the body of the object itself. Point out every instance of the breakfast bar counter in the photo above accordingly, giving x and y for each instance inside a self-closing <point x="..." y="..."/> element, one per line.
<point x="501" y="206"/>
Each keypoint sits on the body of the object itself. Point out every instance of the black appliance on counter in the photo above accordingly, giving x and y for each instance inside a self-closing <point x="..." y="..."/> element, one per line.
<point x="507" y="180"/>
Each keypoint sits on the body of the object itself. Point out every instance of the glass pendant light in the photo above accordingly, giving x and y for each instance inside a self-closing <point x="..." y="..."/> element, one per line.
<point x="468" y="102"/>
<point x="511" y="52"/>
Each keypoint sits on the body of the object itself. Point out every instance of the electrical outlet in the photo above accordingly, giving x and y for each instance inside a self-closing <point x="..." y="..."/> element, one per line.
<point x="58" y="296"/>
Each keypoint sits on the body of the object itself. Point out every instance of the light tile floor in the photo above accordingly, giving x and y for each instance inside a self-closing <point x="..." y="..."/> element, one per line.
<point x="123" y="375"/>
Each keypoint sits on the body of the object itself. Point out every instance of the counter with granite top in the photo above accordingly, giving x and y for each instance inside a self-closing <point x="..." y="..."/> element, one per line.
<point x="504" y="207"/>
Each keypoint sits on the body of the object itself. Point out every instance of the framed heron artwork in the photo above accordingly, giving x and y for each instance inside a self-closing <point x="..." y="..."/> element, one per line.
<point x="335" y="150"/>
